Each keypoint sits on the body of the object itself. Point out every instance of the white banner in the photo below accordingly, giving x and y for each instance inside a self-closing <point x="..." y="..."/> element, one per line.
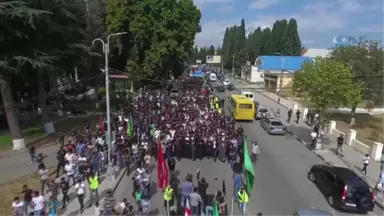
<point x="213" y="59"/>
<point x="198" y="61"/>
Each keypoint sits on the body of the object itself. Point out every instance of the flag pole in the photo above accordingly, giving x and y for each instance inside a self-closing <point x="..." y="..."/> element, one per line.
<point x="232" y="208"/>
<point x="168" y="208"/>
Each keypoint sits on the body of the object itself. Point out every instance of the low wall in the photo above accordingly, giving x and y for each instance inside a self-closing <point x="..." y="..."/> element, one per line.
<point x="360" y="146"/>
<point x="376" y="151"/>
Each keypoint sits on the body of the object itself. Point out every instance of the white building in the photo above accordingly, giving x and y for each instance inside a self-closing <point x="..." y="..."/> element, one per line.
<point x="313" y="53"/>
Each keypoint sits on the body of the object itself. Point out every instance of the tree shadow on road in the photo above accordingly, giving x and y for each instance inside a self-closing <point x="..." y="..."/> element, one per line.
<point x="304" y="134"/>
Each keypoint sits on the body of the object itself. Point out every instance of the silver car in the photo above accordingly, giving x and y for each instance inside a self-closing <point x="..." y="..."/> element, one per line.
<point x="311" y="212"/>
<point x="273" y="126"/>
<point x="261" y="112"/>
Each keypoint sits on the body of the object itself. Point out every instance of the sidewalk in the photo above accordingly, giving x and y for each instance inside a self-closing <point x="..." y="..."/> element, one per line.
<point x="73" y="206"/>
<point x="19" y="165"/>
<point x="301" y="131"/>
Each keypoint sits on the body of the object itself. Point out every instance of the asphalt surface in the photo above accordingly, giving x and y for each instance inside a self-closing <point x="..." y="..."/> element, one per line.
<point x="281" y="184"/>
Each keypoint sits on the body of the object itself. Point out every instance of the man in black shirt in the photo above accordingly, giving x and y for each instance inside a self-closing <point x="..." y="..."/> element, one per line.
<point x="27" y="198"/>
<point x="64" y="189"/>
<point x="339" y="148"/>
<point x="171" y="165"/>
<point x="32" y="153"/>
<point x="60" y="156"/>
<point x="289" y="115"/>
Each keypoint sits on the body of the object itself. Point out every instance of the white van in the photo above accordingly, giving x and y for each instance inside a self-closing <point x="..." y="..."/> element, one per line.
<point x="212" y="77"/>
<point x="248" y="95"/>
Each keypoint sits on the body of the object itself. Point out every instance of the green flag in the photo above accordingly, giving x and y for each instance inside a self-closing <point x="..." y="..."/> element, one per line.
<point x="215" y="211"/>
<point x="130" y="127"/>
<point x="249" y="172"/>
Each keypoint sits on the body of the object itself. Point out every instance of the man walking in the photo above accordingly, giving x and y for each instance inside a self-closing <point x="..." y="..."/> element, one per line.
<point x="195" y="200"/>
<point x="289" y="115"/>
<point x="298" y="116"/>
<point x="243" y="200"/>
<point x="340" y="142"/>
<point x="93" y="188"/>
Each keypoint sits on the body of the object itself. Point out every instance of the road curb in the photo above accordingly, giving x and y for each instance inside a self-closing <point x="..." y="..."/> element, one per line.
<point x="114" y="187"/>
<point x="379" y="204"/>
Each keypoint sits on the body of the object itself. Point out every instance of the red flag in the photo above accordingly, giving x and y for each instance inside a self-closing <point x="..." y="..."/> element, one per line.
<point x="187" y="209"/>
<point x="162" y="168"/>
<point x="101" y="124"/>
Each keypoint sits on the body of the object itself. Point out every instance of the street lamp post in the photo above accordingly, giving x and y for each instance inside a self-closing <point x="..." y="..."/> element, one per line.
<point x="280" y="84"/>
<point x="106" y="71"/>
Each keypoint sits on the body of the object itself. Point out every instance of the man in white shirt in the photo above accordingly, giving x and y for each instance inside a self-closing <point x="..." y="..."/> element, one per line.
<point x="69" y="156"/>
<point x="313" y="138"/>
<point x="366" y="162"/>
<point x="38" y="204"/>
<point x="70" y="172"/>
<point x="80" y="190"/>
<point x="17" y="207"/>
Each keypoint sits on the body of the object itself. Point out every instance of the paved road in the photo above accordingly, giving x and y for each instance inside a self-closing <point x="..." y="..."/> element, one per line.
<point x="281" y="185"/>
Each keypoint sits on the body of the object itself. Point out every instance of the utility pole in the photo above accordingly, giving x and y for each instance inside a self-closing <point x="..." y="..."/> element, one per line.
<point x="107" y="98"/>
<point x="280" y="84"/>
<point x="233" y="66"/>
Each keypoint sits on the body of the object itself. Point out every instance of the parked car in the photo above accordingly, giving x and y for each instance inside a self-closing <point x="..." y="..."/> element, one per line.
<point x="226" y="82"/>
<point x="311" y="212"/>
<point x="230" y="87"/>
<point x="273" y="126"/>
<point x="343" y="188"/>
<point x="261" y="113"/>
<point x="220" y="88"/>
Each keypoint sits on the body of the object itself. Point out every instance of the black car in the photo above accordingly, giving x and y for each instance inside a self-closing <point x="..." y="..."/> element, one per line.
<point x="342" y="188"/>
<point x="220" y="88"/>
<point x="230" y="87"/>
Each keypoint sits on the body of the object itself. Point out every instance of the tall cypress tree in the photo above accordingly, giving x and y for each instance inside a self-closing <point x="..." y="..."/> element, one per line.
<point x="211" y="50"/>
<point x="293" y="39"/>
<point x="266" y="42"/>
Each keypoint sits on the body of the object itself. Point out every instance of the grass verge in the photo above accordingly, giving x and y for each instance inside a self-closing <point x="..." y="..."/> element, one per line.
<point x="13" y="188"/>
<point x="369" y="128"/>
<point x="37" y="136"/>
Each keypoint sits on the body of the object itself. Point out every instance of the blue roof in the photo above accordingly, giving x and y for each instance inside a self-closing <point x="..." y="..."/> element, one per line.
<point x="276" y="62"/>
<point x="198" y="74"/>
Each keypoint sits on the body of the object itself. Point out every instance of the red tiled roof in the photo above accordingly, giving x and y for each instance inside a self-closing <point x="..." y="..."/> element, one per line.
<point x="303" y="51"/>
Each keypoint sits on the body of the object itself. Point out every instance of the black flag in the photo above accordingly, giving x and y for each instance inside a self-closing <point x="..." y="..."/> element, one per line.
<point x="198" y="175"/>
<point x="224" y="189"/>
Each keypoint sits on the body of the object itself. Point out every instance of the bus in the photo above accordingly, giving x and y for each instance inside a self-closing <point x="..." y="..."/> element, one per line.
<point x="212" y="77"/>
<point x="241" y="107"/>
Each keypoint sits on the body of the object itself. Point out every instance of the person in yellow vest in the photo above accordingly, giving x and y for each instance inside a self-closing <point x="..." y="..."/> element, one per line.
<point x="168" y="198"/>
<point x="219" y="110"/>
<point x="93" y="188"/>
<point x="243" y="200"/>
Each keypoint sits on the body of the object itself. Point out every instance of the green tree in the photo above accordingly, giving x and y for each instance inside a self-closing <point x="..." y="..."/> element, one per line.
<point x="211" y="50"/>
<point x="279" y="37"/>
<point x="365" y="60"/>
<point x="325" y="84"/>
<point x="266" y="42"/>
<point x="293" y="40"/>
<point x="161" y="34"/>
<point x="16" y="18"/>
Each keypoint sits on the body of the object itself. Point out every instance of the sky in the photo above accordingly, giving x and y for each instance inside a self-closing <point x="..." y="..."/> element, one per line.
<point x="319" y="21"/>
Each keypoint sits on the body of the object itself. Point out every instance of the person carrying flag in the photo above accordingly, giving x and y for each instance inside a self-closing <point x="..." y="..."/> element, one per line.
<point x="168" y="198"/>
<point x="243" y="200"/>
